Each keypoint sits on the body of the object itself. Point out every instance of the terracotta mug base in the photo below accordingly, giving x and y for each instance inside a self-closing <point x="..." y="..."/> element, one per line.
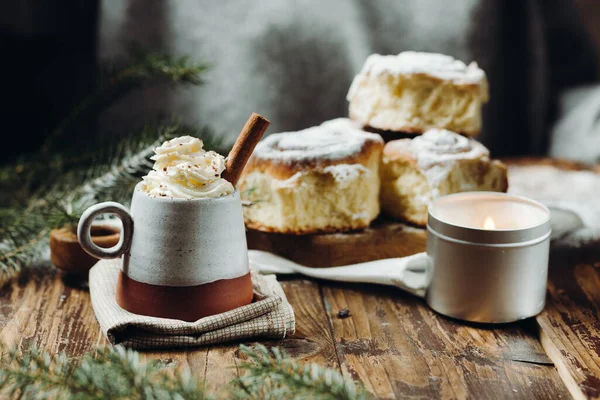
<point x="187" y="303"/>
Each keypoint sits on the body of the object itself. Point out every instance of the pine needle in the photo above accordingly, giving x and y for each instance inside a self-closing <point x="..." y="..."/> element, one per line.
<point x="110" y="373"/>
<point x="118" y="373"/>
<point x="145" y="69"/>
<point x="271" y="374"/>
<point x="111" y="174"/>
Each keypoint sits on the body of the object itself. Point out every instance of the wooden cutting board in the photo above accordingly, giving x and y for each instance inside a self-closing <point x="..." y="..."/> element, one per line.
<point x="383" y="239"/>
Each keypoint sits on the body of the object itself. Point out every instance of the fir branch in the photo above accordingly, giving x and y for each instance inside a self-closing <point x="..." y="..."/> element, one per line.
<point x="16" y="256"/>
<point x="270" y="374"/>
<point x="24" y="231"/>
<point x="32" y="242"/>
<point x="112" y="174"/>
<point x="119" y="168"/>
<point x="112" y="372"/>
<point x="50" y="189"/>
<point x="117" y="373"/>
<point x="144" y="70"/>
<point x="36" y="176"/>
<point x="23" y="241"/>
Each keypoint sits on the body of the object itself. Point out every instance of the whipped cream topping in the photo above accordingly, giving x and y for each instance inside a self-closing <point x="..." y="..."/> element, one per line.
<point x="184" y="170"/>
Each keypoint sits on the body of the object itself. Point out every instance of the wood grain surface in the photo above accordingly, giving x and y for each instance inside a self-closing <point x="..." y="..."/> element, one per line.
<point x="570" y="324"/>
<point x="53" y="311"/>
<point x="399" y="348"/>
<point x="392" y="343"/>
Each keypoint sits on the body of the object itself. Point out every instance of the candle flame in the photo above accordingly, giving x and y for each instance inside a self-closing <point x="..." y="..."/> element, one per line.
<point x="489" y="223"/>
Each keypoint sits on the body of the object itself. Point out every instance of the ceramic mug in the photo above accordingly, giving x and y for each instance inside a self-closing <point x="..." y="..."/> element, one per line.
<point x="182" y="258"/>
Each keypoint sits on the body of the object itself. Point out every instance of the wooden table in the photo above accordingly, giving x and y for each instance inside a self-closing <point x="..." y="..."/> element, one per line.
<point x="392" y="343"/>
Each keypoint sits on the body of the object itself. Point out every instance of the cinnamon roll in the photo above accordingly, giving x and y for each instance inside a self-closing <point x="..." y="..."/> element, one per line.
<point x="320" y="179"/>
<point x="413" y="92"/>
<point x="439" y="162"/>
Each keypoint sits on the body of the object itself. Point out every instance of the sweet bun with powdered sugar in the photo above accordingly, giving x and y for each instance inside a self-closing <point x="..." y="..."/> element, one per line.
<point x="416" y="171"/>
<point x="413" y="91"/>
<point x="321" y="179"/>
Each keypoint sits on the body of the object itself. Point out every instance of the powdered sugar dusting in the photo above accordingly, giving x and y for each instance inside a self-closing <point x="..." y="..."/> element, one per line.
<point x="413" y="62"/>
<point x="346" y="172"/>
<point x="571" y="191"/>
<point x="333" y="140"/>
<point x="360" y="216"/>
<point x="291" y="182"/>
<point x="437" y="151"/>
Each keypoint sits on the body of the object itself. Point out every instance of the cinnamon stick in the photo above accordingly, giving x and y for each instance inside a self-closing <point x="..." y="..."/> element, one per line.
<point x="248" y="138"/>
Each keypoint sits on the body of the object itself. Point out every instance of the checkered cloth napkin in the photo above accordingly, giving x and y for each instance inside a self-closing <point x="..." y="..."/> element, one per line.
<point x="269" y="316"/>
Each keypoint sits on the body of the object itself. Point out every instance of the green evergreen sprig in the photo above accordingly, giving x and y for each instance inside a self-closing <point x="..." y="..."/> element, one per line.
<point x="35" y="177"/>
<point x="52" y="187"/>
<point x="109" y="373"/>
<point x="118" y="373"/>
<point x="111" y="175"/>
<point x="271" y="374"/>
<point x="115" y="80"/>
<point x="144" y="69"/>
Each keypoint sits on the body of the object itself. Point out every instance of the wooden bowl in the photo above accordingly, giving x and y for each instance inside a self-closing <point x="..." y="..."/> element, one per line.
<point x="66" y="252"/>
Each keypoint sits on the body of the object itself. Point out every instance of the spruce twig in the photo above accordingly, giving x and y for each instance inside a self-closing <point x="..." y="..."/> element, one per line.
<point x="112" y="176"/>
<point x="112" y="372"/>
<point x="271" y="374"/>
<point x="33" y="177"/>
<point x="118" y="373"/>
<point x="145" y="69"/>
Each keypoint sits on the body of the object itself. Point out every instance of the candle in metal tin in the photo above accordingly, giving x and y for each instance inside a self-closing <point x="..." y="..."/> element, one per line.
<point x="488" y="254"/>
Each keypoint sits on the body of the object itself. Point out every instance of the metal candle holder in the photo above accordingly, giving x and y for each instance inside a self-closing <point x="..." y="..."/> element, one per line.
<point x="487" y="275"/>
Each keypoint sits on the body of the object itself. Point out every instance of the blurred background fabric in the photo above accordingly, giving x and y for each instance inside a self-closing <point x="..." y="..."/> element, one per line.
<point x="48" y="56"/>
<point x="293" y="61"/>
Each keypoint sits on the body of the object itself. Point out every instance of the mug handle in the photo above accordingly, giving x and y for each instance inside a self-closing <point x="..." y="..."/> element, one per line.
<point x="85" y="225"/>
